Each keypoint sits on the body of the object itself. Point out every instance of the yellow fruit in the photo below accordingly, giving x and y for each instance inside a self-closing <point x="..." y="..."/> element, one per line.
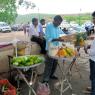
<point x="21" y="52"/>
<point x="61" y="52"/>
<point x="82" y="43"/>
<point x="70" y="52"/>
<point x="66" y="52"/>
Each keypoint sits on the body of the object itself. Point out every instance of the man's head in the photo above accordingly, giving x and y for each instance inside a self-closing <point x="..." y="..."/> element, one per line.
<point x="35" y="21"/>
<point x="93" y="17"/>
<point x="57" y="20"/>
<point x="42" y="21"/>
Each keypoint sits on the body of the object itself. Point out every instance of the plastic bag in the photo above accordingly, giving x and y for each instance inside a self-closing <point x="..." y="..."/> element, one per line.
<point x="11" y="89"/>
<point x="43" y="89"/>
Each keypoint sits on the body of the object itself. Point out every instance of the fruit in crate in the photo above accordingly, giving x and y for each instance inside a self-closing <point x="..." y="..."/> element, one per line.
<point x="66" y="52"/>
<point x="70" y="52"/>
<point x="61" y="52"/>
<point x="27" y="60"/>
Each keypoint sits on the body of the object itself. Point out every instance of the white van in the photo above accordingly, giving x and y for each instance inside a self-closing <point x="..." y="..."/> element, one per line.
<point x="4" y="27"/>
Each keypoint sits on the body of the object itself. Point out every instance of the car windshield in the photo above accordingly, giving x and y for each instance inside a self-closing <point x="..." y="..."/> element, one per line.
<point x="3" y="24"/>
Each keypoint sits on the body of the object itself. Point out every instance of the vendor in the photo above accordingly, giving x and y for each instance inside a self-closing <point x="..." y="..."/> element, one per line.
<point x="36" y="34"/>
<point x="52" y="35"/>
<point x="91" y="51"/>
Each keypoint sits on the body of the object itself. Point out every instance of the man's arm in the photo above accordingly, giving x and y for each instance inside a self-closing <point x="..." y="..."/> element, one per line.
<point x="59" y="39"/>
<point x="86" y="48"/>
<point x="90" y="38"/>
<point x="91" y="49"/>
<point x="48" y="35"/>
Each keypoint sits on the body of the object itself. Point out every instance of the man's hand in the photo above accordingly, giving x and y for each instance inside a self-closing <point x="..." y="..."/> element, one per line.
<point x="54" y="40"/>
<point x="86" y="48"/>
<point x="91" y="38"/>
<point x="59" y="39"/>
<point x="89" y="46"/>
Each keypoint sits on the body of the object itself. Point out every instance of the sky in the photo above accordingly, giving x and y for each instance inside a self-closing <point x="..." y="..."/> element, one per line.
<point x="60" y="7"/>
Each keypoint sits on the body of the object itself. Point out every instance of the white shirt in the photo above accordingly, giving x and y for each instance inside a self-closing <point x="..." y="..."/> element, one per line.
<point x="34" y="30"/>
<point x="91" y="51"/>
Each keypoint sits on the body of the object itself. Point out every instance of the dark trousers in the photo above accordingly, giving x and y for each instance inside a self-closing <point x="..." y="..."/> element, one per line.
<point x="41" y="42"/>
<point x="50" y="67"/>
<point x="92" y="76"/>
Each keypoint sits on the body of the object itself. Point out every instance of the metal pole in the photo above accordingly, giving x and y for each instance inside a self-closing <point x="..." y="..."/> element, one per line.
<point x="79" y="16"/>
<point x="38" y="14"/>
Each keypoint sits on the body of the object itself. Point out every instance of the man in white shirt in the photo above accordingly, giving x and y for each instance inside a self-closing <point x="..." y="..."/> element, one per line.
<point x="36" y="34"/>
<point x="91" y="51"/>
<point x="43" y="25"/>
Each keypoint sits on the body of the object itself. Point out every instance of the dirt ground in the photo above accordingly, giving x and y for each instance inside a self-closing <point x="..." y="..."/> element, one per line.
<point x="5" y="37"/>
<point x="78" y="83"/>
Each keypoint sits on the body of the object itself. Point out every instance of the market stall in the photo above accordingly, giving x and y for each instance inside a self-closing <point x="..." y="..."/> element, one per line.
<point x="24" y="63"/>
<point x="65" y="53"/>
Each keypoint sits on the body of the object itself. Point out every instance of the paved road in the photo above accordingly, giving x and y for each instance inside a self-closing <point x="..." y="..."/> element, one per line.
<point x="5" y="37"/>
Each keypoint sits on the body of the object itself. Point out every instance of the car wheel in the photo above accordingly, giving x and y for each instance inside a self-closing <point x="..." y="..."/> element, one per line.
<point x="9" y="31"/>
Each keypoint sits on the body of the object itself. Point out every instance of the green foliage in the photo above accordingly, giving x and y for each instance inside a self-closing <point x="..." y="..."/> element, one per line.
<point x="8" y="11"/>
<point x="27" y="4"/>
<point x="77" y="18"/>
<point x="28" y="17"/>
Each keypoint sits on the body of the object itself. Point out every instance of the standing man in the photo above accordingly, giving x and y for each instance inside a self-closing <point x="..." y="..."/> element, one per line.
<point x="91" y="51"/>
<point x="36" y="34"/>
<point x="42" y="23"/>
<point x="26" y="28"/>
<point x="52" y="35"/>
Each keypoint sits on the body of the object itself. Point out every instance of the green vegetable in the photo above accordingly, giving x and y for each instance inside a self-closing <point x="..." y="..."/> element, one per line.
<point x="27" y="60"/>
<point x="16" y="63"/>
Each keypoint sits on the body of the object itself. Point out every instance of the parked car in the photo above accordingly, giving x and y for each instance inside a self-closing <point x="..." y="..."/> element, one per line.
<point x="4" y="27"/>
<point x="74" y="24"/>
<point x="64" y="24"/>
<point x="17" y="27"/>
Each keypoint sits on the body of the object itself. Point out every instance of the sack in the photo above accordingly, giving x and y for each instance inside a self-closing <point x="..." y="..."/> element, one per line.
<point x="43" y="89"/>
<point x="52" y="50"/>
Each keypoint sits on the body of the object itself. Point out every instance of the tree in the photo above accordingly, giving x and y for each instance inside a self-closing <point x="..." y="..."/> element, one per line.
<point x="26" y="4"/>
<point x="8" y="11"/>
